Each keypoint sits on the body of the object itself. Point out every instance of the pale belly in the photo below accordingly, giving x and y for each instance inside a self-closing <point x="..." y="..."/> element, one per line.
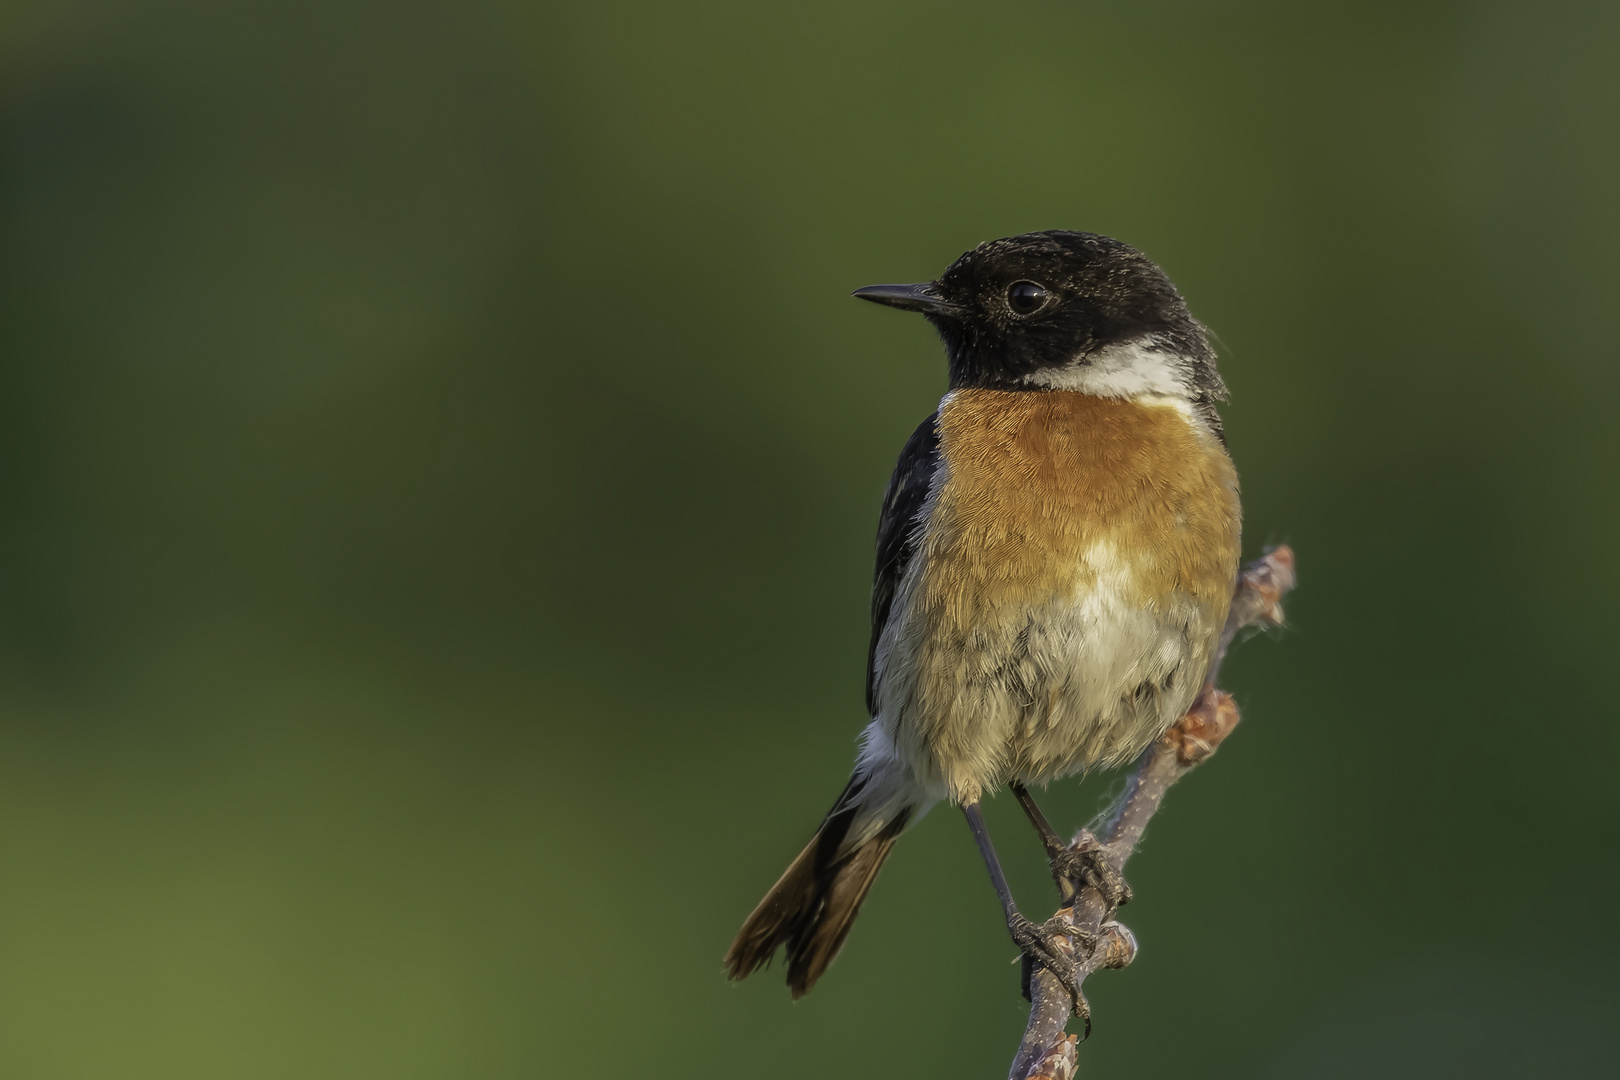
<point x="1041" y="692"/>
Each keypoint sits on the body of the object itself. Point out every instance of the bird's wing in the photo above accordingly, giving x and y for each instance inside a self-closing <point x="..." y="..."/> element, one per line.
<point x="898" y="532"/>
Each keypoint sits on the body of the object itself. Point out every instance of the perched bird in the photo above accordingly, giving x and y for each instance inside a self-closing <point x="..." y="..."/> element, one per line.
<point x="1055" y="558"/>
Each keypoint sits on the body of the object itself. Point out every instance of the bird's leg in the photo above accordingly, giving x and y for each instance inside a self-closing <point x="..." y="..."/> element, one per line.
<point x="1039" y="944"/>
<point x="1074" y="866"/>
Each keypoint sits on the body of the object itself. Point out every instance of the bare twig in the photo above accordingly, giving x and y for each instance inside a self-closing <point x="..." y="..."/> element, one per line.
<point x="1046" y="1052"/>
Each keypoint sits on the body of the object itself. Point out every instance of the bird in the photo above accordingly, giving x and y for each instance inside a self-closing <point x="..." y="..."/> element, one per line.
<point x="1056" y="554"/>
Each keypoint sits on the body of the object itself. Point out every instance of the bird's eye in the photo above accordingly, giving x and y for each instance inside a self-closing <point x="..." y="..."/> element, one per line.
<point x="1025" y="297"/>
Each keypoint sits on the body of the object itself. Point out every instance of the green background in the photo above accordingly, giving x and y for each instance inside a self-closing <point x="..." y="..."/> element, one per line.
<point x="438" y="467"/>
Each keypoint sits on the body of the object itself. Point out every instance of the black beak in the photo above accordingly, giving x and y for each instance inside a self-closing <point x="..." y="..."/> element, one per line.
<point x="924" y="298"/>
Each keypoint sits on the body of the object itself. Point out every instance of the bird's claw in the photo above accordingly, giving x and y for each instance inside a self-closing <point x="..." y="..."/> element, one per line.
<point x="1084" y="864"/>
<point x="1052" y="945"/>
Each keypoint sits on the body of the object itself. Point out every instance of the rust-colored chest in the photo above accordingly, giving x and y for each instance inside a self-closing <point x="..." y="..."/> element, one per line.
<point x="1051" y="493"/>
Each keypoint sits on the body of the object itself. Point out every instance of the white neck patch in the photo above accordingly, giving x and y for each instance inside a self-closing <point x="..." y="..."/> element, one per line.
<point x="1127" y="370"/>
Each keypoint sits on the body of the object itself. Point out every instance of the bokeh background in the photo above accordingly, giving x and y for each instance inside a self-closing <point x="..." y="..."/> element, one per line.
<point x="438" y="467"/>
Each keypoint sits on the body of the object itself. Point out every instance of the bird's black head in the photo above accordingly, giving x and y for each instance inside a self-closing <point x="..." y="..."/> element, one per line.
<point x="1064" y="310"/>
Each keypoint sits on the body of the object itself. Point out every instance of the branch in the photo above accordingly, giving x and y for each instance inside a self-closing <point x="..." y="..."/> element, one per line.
<point x="1046" y="1053"/>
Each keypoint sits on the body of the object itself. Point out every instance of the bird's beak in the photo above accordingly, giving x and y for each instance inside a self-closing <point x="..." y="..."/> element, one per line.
<point x="924" y="298"/>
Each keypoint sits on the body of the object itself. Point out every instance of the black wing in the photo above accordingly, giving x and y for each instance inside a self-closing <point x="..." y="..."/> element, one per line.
<point x="897" y="533"/>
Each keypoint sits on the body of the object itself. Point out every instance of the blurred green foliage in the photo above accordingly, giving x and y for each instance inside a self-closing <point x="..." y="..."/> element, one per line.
<point x="438" y="465"/>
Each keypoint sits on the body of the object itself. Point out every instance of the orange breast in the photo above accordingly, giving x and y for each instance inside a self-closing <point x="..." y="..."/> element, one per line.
<point x="1038" y="480"/>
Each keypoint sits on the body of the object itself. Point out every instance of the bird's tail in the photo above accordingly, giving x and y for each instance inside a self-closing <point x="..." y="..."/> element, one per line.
<point x="811" y="907"/>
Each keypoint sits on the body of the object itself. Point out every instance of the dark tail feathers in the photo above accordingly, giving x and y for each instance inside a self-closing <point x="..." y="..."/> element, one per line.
<point x="812" y="906"/>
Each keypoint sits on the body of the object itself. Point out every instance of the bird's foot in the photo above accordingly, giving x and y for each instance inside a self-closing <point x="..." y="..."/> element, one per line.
<point x="1085" y="863"/>
<point x="1053" y="945"/>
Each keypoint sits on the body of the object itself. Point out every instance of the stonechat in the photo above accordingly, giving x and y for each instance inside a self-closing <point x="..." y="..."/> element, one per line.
<point x="1056" y="554"/>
